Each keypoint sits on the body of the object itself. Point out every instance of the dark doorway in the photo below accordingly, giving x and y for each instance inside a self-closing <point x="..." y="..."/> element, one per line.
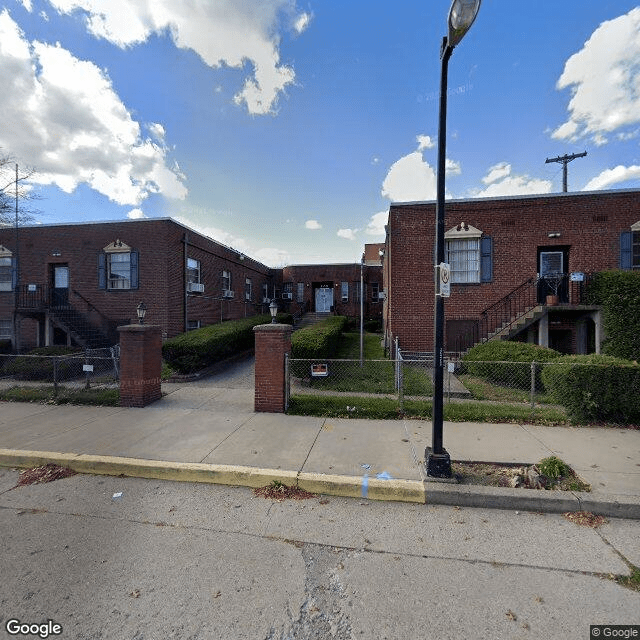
<point x="553" y="264"/>
<point x="59" y="285"/>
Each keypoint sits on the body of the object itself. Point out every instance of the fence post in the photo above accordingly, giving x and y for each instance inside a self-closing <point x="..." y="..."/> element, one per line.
<point x="55" y="375"/>
<point x="86" y="361"/>
<point x="287" y="381"/>
<point x="533" y="384"/>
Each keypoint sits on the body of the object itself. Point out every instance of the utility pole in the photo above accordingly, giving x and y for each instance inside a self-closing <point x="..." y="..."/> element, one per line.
<point x="565" y="160"/>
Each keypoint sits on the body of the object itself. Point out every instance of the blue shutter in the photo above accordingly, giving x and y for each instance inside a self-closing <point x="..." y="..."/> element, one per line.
<point x="486" y="259"/>
<point x="134" y="270"/>
<point x="102" y="271"/>
<point x="625" y="249"/>
<point x="14" y="273"/>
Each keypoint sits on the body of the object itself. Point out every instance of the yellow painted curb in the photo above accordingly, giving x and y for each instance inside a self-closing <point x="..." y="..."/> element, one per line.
<point x="357" y="487"/>
<point x="154" y="469"/>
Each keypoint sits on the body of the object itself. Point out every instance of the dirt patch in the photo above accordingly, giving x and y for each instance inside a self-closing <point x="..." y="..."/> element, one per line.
<point x="45" y="473"/>
<point x="279" y="491"/>
<point x="520" y="476"/>
<point x="585" y="519"/>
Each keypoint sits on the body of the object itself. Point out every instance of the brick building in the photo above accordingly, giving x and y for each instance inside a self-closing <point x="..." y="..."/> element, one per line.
<point x="506" y="256"/>
<point x="76" y="283"/>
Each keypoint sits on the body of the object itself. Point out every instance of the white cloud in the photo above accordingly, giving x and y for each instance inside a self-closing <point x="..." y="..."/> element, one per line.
<point x="136" y="214"/>
<point x="501" y="183"/>
<point x="377" y="223"/>
<point x="425" y="142"/>
<point x="61" y="115"/>
<point x="410" y="179"/>
<point x="348" y="234"/>
<point x="497" y="172"/>
<point x="452" y="167"/>
<point x="229" y="32"/>
<point x="610" y="177"/>
<point x="302" y="22"/>
<point x="604" y="77"/>
<point x="312" y="224"/>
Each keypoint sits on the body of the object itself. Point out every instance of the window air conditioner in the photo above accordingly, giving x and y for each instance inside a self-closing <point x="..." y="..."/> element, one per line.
<point x="382" y="295"/>
<point x="287" y="296"/>
<point x="266" y="300"/>
<point x="227" y="293"/>
<point x="196" y="287"/>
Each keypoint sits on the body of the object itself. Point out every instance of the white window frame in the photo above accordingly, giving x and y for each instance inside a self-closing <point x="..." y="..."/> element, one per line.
<point x="462" y="254"/>
<point x="375" y="291"/>
<point x="6" y="273"/>
<point x="6" y="329"/>
<point x="344" y="291"/>
<point x="300" y="292"/>
<point x="248" y="289"/>
<point x="116" y="280"/>
<point x="193" y="271"/>
<point x="226" y="280"/>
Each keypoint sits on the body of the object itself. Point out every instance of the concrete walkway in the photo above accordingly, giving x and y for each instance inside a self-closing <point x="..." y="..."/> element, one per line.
<point x="207" y="431"/>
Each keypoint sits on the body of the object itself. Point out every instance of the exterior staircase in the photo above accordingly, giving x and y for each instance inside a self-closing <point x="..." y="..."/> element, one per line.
<point x="510" y="329"/>
<point x="311" y="318"/>
<point x="78" y="327"/>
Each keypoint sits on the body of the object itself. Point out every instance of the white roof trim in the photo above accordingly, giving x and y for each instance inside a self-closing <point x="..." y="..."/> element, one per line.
<point x="463" y="231"/>
<point x="636" y="226"/>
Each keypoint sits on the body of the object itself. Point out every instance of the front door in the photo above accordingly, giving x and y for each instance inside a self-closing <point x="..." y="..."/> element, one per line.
<point x="324" y="300"/>
<point x="60" y="285"/>
<point x="552" y="271"/>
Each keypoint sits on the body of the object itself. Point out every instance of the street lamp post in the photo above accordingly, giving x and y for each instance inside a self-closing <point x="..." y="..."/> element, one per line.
<point x="461" y="17"/>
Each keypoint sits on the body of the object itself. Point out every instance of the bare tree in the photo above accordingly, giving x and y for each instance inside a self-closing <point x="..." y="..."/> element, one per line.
<point x="16" y="195"/>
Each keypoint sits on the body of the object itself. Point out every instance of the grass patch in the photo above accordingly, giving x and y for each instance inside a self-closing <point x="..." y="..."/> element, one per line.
<point x="481" y="389"/>
<point x="389" y="409"/>
<point x="46" y="395"/>
<point x="631" y="581"/>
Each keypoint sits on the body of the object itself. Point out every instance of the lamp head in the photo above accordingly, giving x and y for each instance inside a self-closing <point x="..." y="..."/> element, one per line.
<point x="141" y="310"/>
<point x="461" y="16"/>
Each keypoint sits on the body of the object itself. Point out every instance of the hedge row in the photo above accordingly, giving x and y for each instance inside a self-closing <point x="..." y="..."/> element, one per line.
<point x="195" y="350"/>
<point x="592" y="388"/>
<point x="618" y="293"/>
<point x="500" y="361"/>
<point x="595" y="388"/>
<point x="319" y="340"/>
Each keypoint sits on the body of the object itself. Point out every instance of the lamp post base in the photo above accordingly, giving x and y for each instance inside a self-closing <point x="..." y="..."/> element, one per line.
<point x="438" y="464"/>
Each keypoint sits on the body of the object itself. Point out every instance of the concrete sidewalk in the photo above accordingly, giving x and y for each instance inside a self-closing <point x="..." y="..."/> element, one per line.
<point x="208" y="432"/>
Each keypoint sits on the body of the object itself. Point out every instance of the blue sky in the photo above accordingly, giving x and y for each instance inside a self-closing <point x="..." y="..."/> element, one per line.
<point x="285" y="128"/>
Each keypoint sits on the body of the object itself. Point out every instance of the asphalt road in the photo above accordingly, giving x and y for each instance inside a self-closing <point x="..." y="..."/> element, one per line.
<point x="178" y="560"/>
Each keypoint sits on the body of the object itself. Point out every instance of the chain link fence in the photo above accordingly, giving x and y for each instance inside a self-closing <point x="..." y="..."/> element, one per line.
<point x="91" y="367"/>
<point x="584" y="393"/>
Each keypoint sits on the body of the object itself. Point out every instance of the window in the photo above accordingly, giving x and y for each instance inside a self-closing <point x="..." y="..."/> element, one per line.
<point x="193" y="324"/>
<point x="375" y="291"/>
<point x="265" y="293"/>
<point x="345" y="291"/>
<point x="469" y="255"/>
<point x="247" y="289"/>
<point x="300" y="296"/>
<point x="6" y="329"/>
<point x="226" y="280"/>
<point x="118" y="267"/>
<point x="635" y="252"/>
<point x="356" y="291"/>
<point x="6" y="273"/>
<point x="193" y="270"/>
<point x="630" y="248"/>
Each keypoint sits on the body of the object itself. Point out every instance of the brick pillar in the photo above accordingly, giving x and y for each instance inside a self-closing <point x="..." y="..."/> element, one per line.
<point x="273" y="341"/>
<point x="140" y="364"/>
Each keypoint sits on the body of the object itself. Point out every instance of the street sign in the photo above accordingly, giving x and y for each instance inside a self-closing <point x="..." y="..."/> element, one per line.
<point x="445" y="280"/>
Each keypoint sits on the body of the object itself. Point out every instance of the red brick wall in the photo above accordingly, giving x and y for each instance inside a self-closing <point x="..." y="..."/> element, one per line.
<point x="588" y="223"/>
<point x="140" y="365"/>
<point x="273" y="341"/>
<point x="161" y="273"/>
<point x="335" y="274"/>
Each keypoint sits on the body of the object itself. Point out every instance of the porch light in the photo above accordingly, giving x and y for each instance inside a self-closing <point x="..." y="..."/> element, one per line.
<point x="273" y="309"/>
<point x="141" y="310"/>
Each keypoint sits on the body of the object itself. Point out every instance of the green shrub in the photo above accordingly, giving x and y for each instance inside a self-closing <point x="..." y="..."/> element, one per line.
<point x="39" y="364"/>
<point x="198" y="349"/>
<point x="554" y="468"/>
<point x="494" y="361"/>
<point x="319" y="340"/>
<point x="595" y="388"/>
<point x="618" y="292"/>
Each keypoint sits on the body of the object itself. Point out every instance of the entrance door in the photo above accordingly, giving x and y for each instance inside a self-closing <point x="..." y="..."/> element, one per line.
<point x="60" y="285"/>
<point x="324" y="300"/>
<point x="552" y="269"/>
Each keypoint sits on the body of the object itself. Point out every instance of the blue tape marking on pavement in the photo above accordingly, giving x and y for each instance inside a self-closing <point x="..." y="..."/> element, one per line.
<point x="365" y="485"/>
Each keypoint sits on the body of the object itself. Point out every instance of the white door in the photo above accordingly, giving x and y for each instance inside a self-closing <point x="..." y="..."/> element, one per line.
<point x="324" y="300"/>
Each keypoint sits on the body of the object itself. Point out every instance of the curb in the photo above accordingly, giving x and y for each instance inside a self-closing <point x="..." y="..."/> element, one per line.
<point x="414" y="491"/>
